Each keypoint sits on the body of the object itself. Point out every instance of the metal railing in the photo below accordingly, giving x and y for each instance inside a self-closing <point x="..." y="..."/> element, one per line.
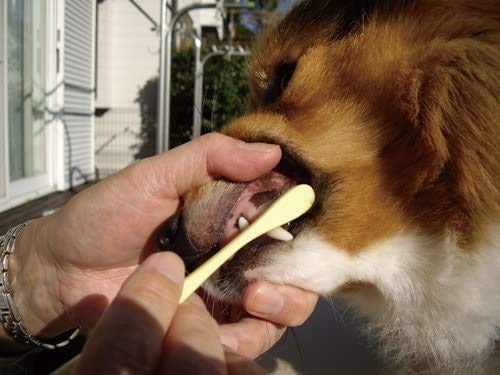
<point x="166" y="48"/>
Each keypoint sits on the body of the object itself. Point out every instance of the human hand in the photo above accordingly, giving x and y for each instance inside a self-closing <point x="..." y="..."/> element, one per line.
<point x="267" y="311"/>
<point x="145" y="331"/>
<point x="80" y="256"/>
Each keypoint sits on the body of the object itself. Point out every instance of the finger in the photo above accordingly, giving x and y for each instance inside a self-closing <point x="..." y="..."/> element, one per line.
<point x="248" y="160"/>
<point x="221" y="311"/>
<point x="280" y="304"/>
<point x="128" y="339"/>
<point x="239" y="365"/>
<point x="251" y="337"/>
<point x="192" y="344"/>
<point x="213" y="155"/>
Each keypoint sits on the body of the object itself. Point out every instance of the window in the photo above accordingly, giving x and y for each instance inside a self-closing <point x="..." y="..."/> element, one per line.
<point x="33" y="94"/>
<point x="26" y="28"/>
<point x="31" y="146"/>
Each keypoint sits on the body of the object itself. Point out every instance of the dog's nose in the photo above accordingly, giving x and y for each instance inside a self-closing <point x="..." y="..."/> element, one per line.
<point x="168" y="232"/>
<point x="173" y="237"/>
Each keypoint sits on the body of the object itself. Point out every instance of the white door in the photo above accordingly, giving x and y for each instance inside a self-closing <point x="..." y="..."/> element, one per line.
<point x="28" y="135"/>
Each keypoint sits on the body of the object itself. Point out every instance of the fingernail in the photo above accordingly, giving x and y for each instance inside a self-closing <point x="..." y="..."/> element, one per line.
<point x="266" y="301"/>
<point x="258" y="147"/>
<point x="229" y="341"/>
<point x="168" y="264"/>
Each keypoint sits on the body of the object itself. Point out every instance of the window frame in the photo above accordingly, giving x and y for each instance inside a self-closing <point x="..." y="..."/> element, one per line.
<point x="14" y="193"/>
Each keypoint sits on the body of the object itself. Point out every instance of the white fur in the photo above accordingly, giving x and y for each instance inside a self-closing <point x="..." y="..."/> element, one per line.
<point x="438" y="304"/>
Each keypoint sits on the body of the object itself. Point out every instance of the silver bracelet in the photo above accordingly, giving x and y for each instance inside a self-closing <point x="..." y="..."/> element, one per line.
<point x="9" y="315"/>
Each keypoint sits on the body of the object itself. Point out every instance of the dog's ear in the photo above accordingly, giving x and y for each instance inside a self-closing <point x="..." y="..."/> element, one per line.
<point x="428" y="95"/>
<point x="447" y="99"/>
<point x="446" y="158"/>
<point x="423" y="101"/>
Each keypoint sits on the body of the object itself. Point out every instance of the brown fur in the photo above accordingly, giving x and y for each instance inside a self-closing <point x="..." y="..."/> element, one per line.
<point x="395" y="106"/>
<point x="402" y="114"/>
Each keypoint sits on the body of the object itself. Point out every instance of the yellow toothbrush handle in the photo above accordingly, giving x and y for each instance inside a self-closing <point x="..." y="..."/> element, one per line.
<point x="294" y="203"/>
<point x="291" y="205"/>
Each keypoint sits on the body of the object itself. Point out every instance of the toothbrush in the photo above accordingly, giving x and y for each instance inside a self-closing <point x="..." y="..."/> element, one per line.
<point x="291" y="205"/>
<point x="294" y="203"/>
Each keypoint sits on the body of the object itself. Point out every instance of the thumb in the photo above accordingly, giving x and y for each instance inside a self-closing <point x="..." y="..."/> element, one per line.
<point x="128" y="339"/>
<point x="172" y="174"/>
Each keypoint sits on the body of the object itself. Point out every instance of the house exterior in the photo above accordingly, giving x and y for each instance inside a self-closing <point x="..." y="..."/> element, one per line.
<point x="127" y="57"/>
<point x="54" y="73"/>
<point x="206" y="19"/>
<point x="47" y="52"/>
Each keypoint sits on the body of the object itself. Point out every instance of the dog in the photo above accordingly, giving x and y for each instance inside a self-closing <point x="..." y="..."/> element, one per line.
<point x="390" y="110"/>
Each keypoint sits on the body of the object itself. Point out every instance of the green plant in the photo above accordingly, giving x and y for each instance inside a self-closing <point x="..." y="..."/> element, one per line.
<point x="225" y="97"/>
<point x="226" y="92"/>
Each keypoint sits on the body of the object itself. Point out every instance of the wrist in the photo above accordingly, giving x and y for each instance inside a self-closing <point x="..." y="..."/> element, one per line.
<point x="33" y="282"/>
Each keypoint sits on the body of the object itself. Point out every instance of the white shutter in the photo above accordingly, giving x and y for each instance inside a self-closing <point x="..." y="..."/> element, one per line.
<point x="79" y="45"/>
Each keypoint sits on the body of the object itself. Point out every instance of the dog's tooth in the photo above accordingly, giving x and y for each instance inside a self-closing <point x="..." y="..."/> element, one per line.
<point x="280" y="234"/>
<point x="243" y="223"/>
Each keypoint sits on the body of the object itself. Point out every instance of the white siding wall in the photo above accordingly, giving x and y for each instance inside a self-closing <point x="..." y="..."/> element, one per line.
<point x="79" y="85"/>
<point x="116" y="134"/>
<point x="127" y="51"/>
<point x="127" y="57"/>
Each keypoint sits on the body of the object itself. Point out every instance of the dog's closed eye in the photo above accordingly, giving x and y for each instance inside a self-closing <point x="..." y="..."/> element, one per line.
<point x="285" y="74"/>
<point x="280" y="82"/>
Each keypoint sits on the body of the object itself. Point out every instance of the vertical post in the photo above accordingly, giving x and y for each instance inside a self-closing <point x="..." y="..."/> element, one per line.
<point x="165" y="86"/>
<point x="174" y="7"/>
<point x="166" y="73"/>
<point x="161" y="81"/>
<point x="198" y="91"/>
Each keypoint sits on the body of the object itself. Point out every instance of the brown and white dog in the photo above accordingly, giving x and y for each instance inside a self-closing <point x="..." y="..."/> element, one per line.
<point x="391" y="111"/>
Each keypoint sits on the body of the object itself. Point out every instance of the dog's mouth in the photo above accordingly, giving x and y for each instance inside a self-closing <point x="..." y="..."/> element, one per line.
<point x="258" y="195"/>
<point x="242" y="205"/>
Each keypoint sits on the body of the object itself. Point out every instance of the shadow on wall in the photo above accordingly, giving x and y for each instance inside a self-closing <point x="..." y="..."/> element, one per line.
<point x="225" y="98"/>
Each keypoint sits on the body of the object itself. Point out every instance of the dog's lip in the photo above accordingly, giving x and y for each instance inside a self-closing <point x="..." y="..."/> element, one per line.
<point x="263" y="243"/>
<point x="291" y="171"/>
<point x="295" y="170"/>
<point x="254" y="200"/>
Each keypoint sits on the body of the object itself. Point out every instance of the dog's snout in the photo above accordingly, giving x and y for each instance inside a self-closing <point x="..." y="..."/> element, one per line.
<point x="173" y="237"/>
